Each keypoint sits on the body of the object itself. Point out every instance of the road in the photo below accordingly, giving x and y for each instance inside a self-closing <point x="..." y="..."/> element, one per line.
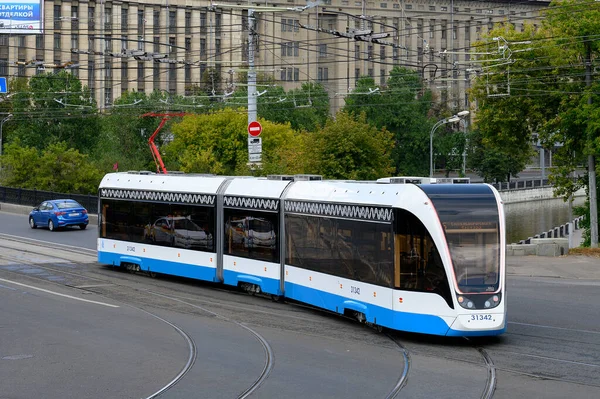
<point x="61" y="337"/>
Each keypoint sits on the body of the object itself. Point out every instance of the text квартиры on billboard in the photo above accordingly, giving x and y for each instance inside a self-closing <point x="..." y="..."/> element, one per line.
<point x="21" y="16"/>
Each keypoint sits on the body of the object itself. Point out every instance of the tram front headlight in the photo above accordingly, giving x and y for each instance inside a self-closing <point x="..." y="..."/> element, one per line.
<point x="466" y="302"/>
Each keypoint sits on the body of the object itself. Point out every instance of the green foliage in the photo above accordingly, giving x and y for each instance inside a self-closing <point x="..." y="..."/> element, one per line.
<point x="52" y="108"/>
<point x="349" y="148"/>
<point x="402" y="107"/>
<point x="218" y="143"/>
<point x="57" y="168"/>
<point x="305" y="108"/>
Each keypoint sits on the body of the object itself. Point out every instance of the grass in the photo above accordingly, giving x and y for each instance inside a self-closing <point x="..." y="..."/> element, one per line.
<point x="593" y="252"/>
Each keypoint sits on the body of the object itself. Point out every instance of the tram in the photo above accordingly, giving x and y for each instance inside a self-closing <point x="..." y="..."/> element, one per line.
<point x="396" y="253"/>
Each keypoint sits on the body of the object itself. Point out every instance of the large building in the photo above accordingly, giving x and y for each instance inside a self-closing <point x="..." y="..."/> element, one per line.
<point x="115" y="46"/>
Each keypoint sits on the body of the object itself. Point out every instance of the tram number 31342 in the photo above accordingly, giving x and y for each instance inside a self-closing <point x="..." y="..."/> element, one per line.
<point x="355" y="290"/>
<point x="481" y="317"/>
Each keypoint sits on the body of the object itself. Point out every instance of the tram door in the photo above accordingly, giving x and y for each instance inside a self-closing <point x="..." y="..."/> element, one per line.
<point x="414" y="251"/>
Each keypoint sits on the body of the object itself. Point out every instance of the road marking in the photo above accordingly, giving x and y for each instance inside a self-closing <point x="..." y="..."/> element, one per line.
<point x="59" y="294"/>
<point x="554" y="328"/>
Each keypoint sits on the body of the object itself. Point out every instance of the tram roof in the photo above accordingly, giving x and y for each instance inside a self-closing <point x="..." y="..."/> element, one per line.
<point x="350" y="192"/>
<point x="180" y="183"/>
<point x="257" y="187"/>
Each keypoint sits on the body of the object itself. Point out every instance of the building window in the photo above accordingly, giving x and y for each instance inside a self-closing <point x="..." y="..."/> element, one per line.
<point x="383" y="5"/>
<point x="357" y="52"/>
<point x="156" y="22"/>
<point x="57" y="17"/>
<point x="57" y="41"/>
<point x="322" y="50"/>
<point x="356" y="74"/>
<point x="172" y="20"/>
<point x="124" y="74"/>
<point x="39" y="42"/>
<point x="381" y="77"/>
<point x="443" y="8"/>
<point x="91" y="16"/>
<point x="156" y="44"/>
<point x="296" y="74"/>
<point x="431" y="8"/>
<point x="140" y="22"/>
<point x="408" y="6"/>
<point x="172" y="47"/>
<point x="124" y="18"/>
<point x="202" y="47"/>
<point x="188" y="22"/>
<point x="141" y="76"/>
<point x="323" y="74"/>
<point x="74" y="40"/>
<point x="156" y="76"/>
<point x="107" y="18"/>
<point x="218" y="19"/>
<point x="203" y="22"/>
<point x="382" y="53"/>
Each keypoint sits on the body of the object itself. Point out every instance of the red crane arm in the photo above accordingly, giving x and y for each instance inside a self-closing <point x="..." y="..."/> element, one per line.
<point x="160" y="166"/>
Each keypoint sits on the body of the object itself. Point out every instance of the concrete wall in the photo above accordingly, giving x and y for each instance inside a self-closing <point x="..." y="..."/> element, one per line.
<point x="531" y="194"/>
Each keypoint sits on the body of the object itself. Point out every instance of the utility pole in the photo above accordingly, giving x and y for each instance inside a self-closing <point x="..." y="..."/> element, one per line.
<point x="591" y="158"/>
<point x="252" y="109"/>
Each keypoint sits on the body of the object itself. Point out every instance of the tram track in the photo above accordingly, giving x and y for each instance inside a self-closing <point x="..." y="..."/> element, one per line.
<point x="245" y="393"/>
<point x="403" y="379"/>
<point x="490" y="385"/>
<point x="105" y="279"/>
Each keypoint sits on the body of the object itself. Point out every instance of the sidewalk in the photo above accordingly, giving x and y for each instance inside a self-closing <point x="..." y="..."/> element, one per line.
<point x="570" y="266"/>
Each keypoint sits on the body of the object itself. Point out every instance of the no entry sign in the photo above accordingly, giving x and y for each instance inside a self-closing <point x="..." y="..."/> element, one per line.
<point x="254" y="129"/>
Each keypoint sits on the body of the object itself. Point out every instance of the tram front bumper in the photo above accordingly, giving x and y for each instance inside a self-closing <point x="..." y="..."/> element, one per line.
<point x="478" y="324"/>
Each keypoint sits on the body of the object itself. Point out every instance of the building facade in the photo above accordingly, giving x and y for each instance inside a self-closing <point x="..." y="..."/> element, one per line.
<point x="116" y="46"/>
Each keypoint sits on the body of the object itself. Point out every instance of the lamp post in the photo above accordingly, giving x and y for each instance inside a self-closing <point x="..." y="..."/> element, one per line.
<point x="2" y="124"/>
<point x="454" y="118"/>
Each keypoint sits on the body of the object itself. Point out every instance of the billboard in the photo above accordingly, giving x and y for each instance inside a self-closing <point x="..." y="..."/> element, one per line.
<point x="21" y="17"/>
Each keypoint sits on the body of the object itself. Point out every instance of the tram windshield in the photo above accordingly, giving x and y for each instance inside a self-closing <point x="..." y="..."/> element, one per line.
<point x="469" y="215"/>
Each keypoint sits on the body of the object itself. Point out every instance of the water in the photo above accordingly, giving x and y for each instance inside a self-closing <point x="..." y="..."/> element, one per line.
<point x="526" y="219"/>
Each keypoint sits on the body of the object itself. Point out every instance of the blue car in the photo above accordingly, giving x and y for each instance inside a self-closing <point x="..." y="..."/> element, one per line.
<point x="60" y="213"/>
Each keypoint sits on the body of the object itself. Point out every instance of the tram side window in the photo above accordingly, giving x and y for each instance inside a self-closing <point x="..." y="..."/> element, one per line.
<point x="252" y="234"/>
<point x="183" y="226"/>
<point x="115" y="219"/>
<point x="192" y="227"/>
<point x="139" y="216"/>
<point x="418" y="266"/>
<point x="158" y="228"/>
<point x="346" y="248"/>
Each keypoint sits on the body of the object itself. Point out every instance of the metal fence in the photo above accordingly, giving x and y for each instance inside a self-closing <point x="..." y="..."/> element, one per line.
<point x="522" y="184"/>
<point x="21" y="196"/>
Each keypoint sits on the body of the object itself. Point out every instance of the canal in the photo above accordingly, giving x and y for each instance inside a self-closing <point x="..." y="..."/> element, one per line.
<point x="526" y="219"/>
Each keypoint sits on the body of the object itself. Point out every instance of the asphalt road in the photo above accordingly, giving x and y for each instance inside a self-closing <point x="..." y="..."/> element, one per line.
<point x="59" y="339"/>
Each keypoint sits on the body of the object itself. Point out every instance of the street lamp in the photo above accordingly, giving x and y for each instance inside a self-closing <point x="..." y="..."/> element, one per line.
<point x="454" y="118"/>
<point x="2" y="124"/>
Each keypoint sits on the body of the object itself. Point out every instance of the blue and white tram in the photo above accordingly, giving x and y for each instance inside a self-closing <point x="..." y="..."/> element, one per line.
<point x="425" y="258"/>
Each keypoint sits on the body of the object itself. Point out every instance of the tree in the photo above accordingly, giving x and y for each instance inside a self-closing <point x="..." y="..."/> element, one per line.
<point x="54" y="107"/>
<point x="57" y="168"/>
<point x="543" y="88"/>
<point x="347" y="147"/>
<point x="402" y="107"/>
<point x="218" y="143"/>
